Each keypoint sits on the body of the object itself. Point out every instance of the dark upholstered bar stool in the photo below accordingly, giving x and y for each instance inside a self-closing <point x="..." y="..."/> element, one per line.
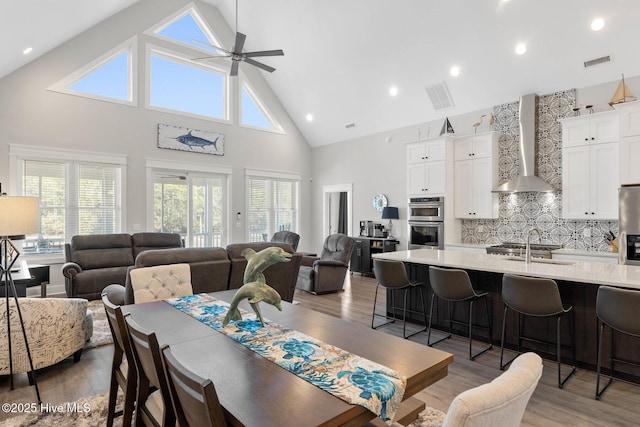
<point x="618" y="309"/>
<point x="529" y="296"/>
<point x="453" y="285"/>
<point x="392" y="276"/>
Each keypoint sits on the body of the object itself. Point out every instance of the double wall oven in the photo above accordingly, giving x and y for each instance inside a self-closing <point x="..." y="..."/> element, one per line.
<point x="426" y="223"/>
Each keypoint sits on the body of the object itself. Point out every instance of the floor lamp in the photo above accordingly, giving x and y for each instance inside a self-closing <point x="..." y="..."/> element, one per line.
<point x="18" y="215"/>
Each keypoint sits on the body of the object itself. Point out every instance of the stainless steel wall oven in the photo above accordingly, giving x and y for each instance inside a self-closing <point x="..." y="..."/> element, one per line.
<point x="426" y="223"/>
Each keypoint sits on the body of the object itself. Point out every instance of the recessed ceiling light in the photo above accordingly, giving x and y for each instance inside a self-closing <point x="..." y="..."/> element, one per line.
<point x="393" y="90"/>
<point x="597" y="24"/>
<point x="521" y="48"/>
<point x="27" y="51"/>
<point x="309" y="117"/>
<point x="455" y="71"/>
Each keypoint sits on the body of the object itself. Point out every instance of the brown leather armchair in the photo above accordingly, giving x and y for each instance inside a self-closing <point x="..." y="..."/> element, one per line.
<point x="326" y="273"/>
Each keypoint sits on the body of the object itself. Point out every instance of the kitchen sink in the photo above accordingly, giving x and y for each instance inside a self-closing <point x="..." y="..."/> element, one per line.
<point x="540" y="260"/>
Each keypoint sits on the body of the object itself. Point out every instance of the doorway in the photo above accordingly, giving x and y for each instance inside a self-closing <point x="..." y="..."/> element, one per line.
<point x="337" y="209"/>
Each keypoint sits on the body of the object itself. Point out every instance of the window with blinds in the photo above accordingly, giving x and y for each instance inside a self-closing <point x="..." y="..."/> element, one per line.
<point x="271" y="206"/>
<point x="191" y="205"/>
<point x="75" y="198"/>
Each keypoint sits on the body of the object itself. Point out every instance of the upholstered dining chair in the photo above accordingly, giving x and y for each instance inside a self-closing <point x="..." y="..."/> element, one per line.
<point x="501" y="402"/>
<point x="288" y="237"/>
<point x="195" y="400"/>
<point x="153" y="400"/>
<point x="160" y="282"/>
<point x="326" y="273"/>
<point x="123" y="368"/>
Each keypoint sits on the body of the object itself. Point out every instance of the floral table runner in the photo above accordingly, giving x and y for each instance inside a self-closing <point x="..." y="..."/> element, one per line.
<point x="352" y="378"/>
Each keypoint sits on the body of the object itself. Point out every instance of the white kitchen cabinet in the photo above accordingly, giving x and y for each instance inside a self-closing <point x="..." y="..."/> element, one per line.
<point x="426" y="167"/>
<point x="592" y="128"/>
<point x="590" y="181"/>
<point x="629" y="142"/>
<point x="476" y="174"/>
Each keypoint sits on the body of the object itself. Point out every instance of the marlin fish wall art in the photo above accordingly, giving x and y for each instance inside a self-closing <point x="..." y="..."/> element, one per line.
<point x="192" y="140"/>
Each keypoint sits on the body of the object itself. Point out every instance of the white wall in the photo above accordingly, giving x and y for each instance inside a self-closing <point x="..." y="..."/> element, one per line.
<point x="32" y="115"/>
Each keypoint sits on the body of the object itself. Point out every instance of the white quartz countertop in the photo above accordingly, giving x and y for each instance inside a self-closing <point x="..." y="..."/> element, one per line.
<point x="625" y="276"/>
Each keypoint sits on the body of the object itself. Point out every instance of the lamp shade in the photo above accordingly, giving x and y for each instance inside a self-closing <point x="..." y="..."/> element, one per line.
<point x="390" y="213"/>
<point x="19" y="215"/>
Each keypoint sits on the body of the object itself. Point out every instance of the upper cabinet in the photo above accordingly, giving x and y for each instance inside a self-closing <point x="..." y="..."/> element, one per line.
<point x="629" y="142"/>
<point x="426" y="167"/>
<point x="476" y="175"/>
<point x="592" y="128"/>
<point x="590" y="161"/>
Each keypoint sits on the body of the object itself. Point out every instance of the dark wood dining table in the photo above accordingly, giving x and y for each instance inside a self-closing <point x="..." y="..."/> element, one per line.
<point x="257" y="392"/>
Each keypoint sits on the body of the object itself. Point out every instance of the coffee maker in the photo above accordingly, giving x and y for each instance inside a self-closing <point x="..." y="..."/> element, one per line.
<point x="363" y="228"/>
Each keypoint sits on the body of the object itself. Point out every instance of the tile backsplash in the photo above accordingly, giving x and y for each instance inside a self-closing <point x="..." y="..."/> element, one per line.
<point x="519" y="212"/>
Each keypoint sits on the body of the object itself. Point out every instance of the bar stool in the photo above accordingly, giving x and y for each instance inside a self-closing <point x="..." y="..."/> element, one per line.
<point x="529" y="296"/>
<point x="453" y="285"/>
<point x="392" y="276"/>
<point x="618" y="309"/>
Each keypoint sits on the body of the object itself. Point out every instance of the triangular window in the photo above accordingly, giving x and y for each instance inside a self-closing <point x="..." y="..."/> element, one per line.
<point x="253" y="113"/>
<point x="188" y="28"/>
<point x="110" y="77"/>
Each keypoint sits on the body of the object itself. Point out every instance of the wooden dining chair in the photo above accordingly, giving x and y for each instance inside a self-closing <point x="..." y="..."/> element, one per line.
<point x="123" y="369"/>
<point x="153" y="401"/>
<point x="195" y="400"/>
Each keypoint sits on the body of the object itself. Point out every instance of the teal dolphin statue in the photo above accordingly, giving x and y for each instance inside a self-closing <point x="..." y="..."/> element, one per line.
<point x="255" y="287"/>
<point x="256" y="292"/>
<point x="258" y="261"/>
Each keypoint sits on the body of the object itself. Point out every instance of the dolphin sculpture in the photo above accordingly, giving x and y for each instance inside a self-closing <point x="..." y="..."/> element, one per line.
<point x="255" y="288"/>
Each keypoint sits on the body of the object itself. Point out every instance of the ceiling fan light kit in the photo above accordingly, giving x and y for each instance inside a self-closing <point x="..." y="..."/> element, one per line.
<point x="237" y="55"/>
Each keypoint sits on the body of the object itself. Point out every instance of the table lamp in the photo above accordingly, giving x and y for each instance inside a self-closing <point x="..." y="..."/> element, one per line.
<point x="390" y="213"/>
<point x="18" y="216"/>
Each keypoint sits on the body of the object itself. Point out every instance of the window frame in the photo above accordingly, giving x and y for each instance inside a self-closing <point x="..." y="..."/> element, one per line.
<point x="131" y="47"/>
<point x="19" y="153"/>
<point x="244" y="83"/>
<point x="272" y="176"/>
<point x="183" y="59"/>
<point x="155" y="166"/>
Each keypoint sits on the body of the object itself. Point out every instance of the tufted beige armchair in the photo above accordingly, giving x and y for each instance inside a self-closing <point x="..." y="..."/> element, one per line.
<point x="160" y="282"/>
<point x="56" y="328"/>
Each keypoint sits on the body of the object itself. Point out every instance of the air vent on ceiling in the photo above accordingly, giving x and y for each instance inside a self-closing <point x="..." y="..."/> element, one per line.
<point x="439" y="96"/>
<point x="597" y="61"/>
<point x="350" y="125"/>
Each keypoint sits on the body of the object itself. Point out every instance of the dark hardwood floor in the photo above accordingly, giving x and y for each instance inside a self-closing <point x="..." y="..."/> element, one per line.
<point x="549" y="406"/>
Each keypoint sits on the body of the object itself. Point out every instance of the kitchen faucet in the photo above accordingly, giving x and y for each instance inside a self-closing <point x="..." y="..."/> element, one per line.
<point x="527" y="255"/>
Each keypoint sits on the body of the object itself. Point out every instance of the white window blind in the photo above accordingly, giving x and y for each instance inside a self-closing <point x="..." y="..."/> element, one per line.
<point x="272" y="206"/>
<point x="75" y="198"/>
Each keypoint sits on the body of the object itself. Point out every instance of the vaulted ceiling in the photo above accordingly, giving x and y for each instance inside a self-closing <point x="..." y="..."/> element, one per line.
<point x="342" y="56"/>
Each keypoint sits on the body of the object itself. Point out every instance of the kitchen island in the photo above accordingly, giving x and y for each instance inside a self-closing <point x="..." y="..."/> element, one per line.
<point x="578" y="283"/>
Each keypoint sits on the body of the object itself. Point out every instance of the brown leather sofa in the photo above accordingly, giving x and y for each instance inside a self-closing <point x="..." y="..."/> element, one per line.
<point x="218" y="269"/>
<point x="96" y="261"/>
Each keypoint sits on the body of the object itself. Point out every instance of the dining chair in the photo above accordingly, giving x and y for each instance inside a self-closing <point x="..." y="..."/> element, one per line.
<point x="618" y="309"/>
<point x="392" y="276"/>
<point x="454" y="286"/>
<point x="195" y="400"/>
<point x="160" y="282"/>
<point x="531" y="296"/>
<point x="123" y="369"/>
<point x="153" y="400"/>
<point x="501" y="402"/>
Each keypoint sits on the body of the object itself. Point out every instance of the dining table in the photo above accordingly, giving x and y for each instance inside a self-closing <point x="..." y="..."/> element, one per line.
<point x="254" y="391"/>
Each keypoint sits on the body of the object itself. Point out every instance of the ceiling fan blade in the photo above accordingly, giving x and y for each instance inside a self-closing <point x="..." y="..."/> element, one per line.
<point x="277" y="52"/>
<point x="259" y="64"/>
<point x="212" y="46"/>
<point x="240" y="38"/>
<point x="234" y="68"/>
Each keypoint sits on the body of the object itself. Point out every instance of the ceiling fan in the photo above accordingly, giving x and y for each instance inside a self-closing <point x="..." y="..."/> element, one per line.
<point x="237" y="55"/>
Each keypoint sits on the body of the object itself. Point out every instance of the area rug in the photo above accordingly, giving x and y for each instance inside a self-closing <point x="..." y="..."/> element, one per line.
<point x="101" y="332"/>
<point x="85" y="412"/>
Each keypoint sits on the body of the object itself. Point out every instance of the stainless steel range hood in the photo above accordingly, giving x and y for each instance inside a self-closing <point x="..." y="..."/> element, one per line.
<point x="527" y="179"/>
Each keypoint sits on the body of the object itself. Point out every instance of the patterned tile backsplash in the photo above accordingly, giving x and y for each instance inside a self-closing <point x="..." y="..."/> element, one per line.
<point x="519" y="212"/>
